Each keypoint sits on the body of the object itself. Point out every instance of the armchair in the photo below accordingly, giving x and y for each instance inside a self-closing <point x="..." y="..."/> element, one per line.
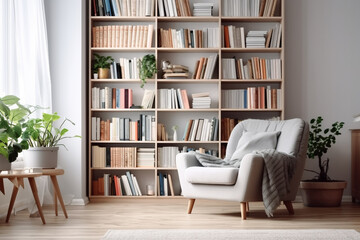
<point x="244" y="184"/>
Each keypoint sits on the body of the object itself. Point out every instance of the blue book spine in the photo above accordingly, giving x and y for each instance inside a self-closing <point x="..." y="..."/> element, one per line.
<point x="108" y="8"/>
<point x="131" y="183"/>
<point x="161" y="180"/>
<point x="245" y="99"/>
<point x="117" y="98"/>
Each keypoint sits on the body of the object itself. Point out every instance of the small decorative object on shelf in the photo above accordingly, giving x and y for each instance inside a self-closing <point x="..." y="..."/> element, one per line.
<point x="174" y="128"/>
<point x="102" y="64"/>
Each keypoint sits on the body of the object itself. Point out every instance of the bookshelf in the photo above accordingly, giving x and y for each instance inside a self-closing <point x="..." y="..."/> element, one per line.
<point x="180" y="117"/>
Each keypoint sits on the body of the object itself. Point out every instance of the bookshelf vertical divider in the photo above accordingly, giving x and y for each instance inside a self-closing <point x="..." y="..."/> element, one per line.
<point x="148" y="176"/>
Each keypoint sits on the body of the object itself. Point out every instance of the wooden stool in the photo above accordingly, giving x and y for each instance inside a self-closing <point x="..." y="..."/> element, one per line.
<point x="57" y="194"/>
<point x="17" y="178"/>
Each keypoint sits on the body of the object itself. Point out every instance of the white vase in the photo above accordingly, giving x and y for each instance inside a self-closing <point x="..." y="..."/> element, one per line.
<point x="5" y="165"/>
<point x="175" y="135"/>
<point x="41" y="157"/>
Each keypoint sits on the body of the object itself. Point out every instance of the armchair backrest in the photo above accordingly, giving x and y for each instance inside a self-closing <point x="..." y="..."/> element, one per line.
<point x="290" y="140"/>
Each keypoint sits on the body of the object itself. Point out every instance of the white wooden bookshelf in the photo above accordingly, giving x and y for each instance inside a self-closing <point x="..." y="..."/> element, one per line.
<point x="179" y="117"/>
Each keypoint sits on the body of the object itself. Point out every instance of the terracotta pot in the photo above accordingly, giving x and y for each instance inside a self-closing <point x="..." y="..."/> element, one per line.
<point x="104" y="73"/>
<point x="41" y="157"/>
<point x="322" y="194"/>
<point x="5" y="165"/>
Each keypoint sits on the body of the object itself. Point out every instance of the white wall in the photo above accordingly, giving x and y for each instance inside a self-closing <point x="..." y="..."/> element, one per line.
<point x="322" y="64"/>
<point x="66" y="34"/>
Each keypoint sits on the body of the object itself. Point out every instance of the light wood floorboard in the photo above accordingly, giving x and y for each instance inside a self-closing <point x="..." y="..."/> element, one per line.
<point x="93" y="220"/>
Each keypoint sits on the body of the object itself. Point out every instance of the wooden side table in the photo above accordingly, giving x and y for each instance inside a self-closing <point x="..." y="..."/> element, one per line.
<point x="17" y="178"/>
<point x="57" y="194"/>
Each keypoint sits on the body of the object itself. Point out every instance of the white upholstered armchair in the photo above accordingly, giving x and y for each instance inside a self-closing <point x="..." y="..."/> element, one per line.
<point x="244" y="184"/>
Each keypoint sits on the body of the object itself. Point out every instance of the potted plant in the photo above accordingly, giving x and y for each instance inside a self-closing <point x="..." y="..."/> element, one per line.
<point x="43" y="139"/>
<point x="147" y="68"/>
<point x="322" y="191"/>
<point x="12" y="119"/>
<point x="102" y="65"/>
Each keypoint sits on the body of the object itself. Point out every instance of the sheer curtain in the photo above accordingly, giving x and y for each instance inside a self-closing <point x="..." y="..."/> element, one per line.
<point x="24" y="69"/>
<point x="24" y="62"/>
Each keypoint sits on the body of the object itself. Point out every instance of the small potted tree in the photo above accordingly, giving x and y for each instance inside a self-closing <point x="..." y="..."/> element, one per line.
<point x="12" y="119"/>
<point x="322" y="191"/>
<point x="43" y="139"/>
<point x="102" y="65"/>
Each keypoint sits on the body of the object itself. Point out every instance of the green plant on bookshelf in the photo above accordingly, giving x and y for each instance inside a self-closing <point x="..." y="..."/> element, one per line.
<point x="147" y="68"/>
<point x="102" y="65"/>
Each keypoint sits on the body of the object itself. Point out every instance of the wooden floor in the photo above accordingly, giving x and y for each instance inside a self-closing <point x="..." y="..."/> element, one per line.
<point x="93" y="220"/>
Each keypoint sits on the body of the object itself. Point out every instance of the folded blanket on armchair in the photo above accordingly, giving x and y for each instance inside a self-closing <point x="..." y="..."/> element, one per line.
<point x="278" y="171"/>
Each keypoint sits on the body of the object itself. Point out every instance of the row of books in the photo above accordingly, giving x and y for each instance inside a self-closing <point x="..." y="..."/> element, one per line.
<point x="165" y="185"/>
<point x="201" y="100"/>
<point x="122" y="36"/>
<point x="189" y="38"/>
<point x="227" y="125"/>
<point x="254" y="68"/>
<point x="115" y="157"/>
<point x="125" y="68"/>
<point x="124" y="129"/>
<point x="134" y="8"/>
<point x="162" y="135"/>
<point x="174" y="8"/>
<point x="203" y="9"/>
<point x="252" y="98"/>
<point x="249" y="8"/>
<point x="204" y="68"/>
<point x="145" y="157"/>
<point x="167" y="156"/>
<point x="232" y="37"/>
<point x="201" y="130"/>
<point x="173" y="99"/>
<point x="107" y="98"/>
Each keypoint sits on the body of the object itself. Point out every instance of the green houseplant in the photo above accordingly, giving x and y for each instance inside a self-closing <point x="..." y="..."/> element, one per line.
<point x="147" y="68"/>
<point x="102" y="65"/>
<point x="43" y="138"/>
<point x="13" y="118"/>
<point x="320" y="141"/>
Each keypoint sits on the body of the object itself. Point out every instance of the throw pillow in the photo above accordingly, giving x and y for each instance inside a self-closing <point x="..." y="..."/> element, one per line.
<point x="251" y="141"/>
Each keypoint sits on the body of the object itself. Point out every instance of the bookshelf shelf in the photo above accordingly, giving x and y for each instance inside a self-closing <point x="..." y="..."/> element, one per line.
<point x="252" y="80"/>
<point x="123" y="49"/>
<point x="251" y="19"/>
<point x="188" y="19"/>
<point x="188" y="50"/>
<point x="251" y="50"/>
<point x="122" y="19"/>
<point x="189" y="110"/>
<point x="164" y="120"/>
<point x="123" y="110"/>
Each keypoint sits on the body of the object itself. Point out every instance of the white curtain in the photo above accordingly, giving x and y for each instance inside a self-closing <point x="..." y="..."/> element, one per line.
<point x="24" y="62"/>
<point x="24" y="69"/>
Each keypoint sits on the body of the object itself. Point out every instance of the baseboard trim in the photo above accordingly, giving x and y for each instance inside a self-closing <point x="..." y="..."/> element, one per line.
<point x="80" y="201"/>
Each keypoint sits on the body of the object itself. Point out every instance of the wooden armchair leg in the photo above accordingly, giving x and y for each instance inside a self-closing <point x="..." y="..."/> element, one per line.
<point x="243" y="210"/>
<point x="289" y="207"/>
<point x="190" y="205"/>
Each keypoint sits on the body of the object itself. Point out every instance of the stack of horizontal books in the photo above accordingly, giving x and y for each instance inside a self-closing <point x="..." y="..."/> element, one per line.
<point x="176" y="71"/>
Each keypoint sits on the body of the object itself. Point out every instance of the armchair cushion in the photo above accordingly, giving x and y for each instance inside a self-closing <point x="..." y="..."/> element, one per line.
<point x="251" y="141"/>
<point x="211" y="176"/>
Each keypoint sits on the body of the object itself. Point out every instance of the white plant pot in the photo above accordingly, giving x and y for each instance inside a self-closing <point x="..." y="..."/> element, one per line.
<point x="41" y="157"/>
<point x="5" y="165"/>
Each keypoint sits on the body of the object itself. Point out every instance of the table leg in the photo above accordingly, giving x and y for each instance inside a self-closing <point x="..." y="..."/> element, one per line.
<point x="58" y="193"/>
<point x="12" y="201"/>
<point x="36" y="197"/>
<point x="55" y="203"/>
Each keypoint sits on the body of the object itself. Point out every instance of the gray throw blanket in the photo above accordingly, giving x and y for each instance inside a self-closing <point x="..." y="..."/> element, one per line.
<point x="278" y="171"/>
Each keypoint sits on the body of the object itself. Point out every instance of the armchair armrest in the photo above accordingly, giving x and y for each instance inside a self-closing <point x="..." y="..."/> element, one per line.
<point x="250" y="177"/>
<point x="186" y="160"/>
